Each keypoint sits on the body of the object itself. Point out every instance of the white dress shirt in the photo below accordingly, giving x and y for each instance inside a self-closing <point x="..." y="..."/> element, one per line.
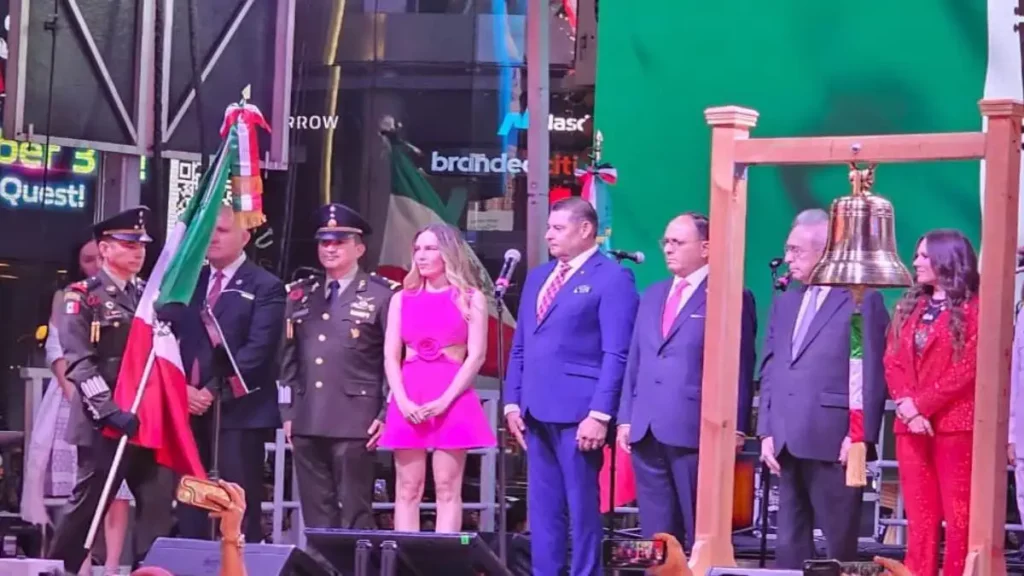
<point x="343" y="282"/>
<point x="574" y="265"/>
<point x="228" y="272"/>
<point x="693" y="280"/>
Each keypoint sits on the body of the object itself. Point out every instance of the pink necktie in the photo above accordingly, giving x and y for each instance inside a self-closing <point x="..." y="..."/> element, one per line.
<point x="672" y="306"/>
<point x="215" y="289"/>
<point x="552" y="291"/>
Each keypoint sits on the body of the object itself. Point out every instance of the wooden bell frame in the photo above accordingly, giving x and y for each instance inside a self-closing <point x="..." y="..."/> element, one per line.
<point x="732" y="151"/>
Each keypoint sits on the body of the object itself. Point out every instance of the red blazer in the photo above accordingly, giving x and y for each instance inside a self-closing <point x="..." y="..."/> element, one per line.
<point x="941" y="387"/>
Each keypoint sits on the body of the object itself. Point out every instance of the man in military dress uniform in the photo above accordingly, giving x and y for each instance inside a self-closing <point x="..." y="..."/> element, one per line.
<point x="334" y="365"/>
<point x="93" y="329"/>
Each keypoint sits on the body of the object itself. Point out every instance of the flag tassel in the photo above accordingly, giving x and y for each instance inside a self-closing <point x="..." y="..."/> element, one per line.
<point x="857" y="465"/>
<point x="115" y="464"/>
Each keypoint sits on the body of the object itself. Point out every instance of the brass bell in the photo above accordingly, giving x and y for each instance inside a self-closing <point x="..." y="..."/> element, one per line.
<point x="861" y="249"/>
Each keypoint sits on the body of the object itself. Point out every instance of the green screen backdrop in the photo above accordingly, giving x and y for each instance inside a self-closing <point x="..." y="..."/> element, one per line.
<point x="809" y="69"/>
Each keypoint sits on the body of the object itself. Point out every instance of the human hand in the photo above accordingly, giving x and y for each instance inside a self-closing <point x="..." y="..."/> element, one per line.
<point x="516" y="427"/>
<point x="741" y="440"/>
<point x="199" y="401"/>
<point x="906" y="410"/>
<point x="622" y="437"/>
<point x="409" y="409"/>
<point x="920" y="425"/>
<point x="591" y="434"/>
<point x="844" y="450"/>
<point x="768" y="455"/>
<point x="1011" y="453"/>
<point x="435" y="408"/>
<point x="125" y="422"/>
<point x="287" y="431"/>
<point x="231" y="512"/>
<point x="892" y="567"/>
<point x="374" y="431"/>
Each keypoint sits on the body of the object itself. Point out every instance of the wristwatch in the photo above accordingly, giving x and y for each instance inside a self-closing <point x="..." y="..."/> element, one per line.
<point x="238" y="541"/>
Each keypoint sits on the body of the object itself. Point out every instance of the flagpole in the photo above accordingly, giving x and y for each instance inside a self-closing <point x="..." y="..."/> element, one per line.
<point x="108" y="485"/>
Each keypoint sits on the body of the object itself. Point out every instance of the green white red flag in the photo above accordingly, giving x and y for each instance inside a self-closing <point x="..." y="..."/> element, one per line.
<point x="163" y="412"/>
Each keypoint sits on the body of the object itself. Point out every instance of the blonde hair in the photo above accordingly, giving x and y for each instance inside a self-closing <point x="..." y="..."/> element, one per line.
<point x="457" y="268"/>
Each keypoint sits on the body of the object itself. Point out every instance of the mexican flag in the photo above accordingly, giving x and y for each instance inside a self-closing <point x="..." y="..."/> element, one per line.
<point x="163" y="412"/>
<point x="415" y="204"/>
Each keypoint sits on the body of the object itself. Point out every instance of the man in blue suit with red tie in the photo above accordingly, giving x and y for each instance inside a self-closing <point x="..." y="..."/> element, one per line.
<point x="659" y="416"/>
<point x="563" y="385"/>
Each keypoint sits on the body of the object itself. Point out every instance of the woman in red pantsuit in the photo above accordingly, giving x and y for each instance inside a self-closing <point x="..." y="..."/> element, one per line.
<point x="930" y="365"/>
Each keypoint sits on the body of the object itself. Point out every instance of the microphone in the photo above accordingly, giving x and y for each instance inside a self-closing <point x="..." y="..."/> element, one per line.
<point x="783" y="282"/>
<point x="512" y="257"/>
<point x="620" y="255"/>
<point x="779" y="283"/>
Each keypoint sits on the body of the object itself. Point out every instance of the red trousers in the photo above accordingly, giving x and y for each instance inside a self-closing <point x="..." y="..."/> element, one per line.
<point x="935" y="479"/>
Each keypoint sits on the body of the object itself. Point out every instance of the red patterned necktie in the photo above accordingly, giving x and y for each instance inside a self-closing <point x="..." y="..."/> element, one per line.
<point x="672" y="306"/>
<point x="215" y="289"/>
<point x="552" y="291"/>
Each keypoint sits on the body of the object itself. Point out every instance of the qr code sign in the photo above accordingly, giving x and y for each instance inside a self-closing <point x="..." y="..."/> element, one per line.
<point x="184" y="180"/>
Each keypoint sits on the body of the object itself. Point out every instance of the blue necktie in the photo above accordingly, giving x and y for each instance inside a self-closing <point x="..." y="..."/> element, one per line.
<point x="805" y="321"/>
<point x="332" y="290"/>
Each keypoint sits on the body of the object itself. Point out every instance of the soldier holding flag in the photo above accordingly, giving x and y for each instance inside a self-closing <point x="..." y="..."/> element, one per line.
<point x="94" y="327"/>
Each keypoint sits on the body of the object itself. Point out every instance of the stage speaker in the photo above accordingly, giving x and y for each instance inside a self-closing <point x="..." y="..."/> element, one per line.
<point x="753" y="572"/>
<point x="183" y="557"/>
<point x="366" y="552"/>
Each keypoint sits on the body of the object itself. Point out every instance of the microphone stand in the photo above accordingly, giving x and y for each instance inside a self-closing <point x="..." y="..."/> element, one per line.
<point x="766" y="477"/>
<point x="502" y="432"/>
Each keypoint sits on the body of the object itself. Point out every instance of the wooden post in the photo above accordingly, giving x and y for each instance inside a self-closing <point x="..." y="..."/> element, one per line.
<point x="728" y="215"/>
<point x="995" y="337"/>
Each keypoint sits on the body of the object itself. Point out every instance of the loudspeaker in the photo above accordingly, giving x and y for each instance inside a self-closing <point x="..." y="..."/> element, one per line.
<point x="184" y="557"/>
<point x="371" y="552"/>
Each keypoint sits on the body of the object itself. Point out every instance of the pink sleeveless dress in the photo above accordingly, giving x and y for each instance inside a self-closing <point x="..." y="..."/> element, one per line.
<point x="431" y="321"/>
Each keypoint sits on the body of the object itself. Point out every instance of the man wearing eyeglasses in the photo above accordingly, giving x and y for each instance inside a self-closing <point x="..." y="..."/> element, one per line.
<point x="659" y="413"/>
<point x="803" y="414"/>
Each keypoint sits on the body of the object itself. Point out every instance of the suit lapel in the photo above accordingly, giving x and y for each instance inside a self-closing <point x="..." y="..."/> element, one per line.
<point x="536" y="294"/>
<point x="579" y="278"/>
<point x="697" y="299"/>
<point x="238" y="281"/>
<point x="833" y="302"/>
<point x="119" y="296"/>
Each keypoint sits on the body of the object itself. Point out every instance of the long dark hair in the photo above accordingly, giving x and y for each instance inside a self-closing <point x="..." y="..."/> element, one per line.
<point x="75" y="273"/>
<point x="955" y="263"/>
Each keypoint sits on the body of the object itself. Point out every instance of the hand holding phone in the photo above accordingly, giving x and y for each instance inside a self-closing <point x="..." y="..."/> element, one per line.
<point x="201" y="493"/>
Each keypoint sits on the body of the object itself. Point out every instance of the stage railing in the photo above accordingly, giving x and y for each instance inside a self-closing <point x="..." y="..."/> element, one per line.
<point x="36" y="379"/>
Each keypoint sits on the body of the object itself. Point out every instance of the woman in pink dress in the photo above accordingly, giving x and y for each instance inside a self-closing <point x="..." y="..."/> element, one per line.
<point x="438" y="324"/>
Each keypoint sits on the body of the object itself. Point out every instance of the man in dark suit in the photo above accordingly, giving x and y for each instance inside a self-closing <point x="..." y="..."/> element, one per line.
<point x="803" y="418"/>
<point x="659" y="415"/>
<point x="563" y="386"/>
<point x="248" y="304"/>
<point x="333" y="366"/>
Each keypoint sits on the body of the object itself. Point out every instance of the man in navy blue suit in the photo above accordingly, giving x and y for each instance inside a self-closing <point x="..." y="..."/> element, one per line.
<point x="248" y="303"/>
<point x="563" y="385"/>
<point x="659" y="416"/>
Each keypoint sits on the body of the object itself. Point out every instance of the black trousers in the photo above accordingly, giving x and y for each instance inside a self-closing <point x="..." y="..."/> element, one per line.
<point x="813" y="492"/>
<point x="332" y="470"/>
<point x="151" y="484"/>
<point x="241" y="457"/>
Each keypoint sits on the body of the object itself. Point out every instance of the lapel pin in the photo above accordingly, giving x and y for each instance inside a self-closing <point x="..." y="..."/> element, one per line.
<point x="239" y="281"/>
<point x="109" y="305"/>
